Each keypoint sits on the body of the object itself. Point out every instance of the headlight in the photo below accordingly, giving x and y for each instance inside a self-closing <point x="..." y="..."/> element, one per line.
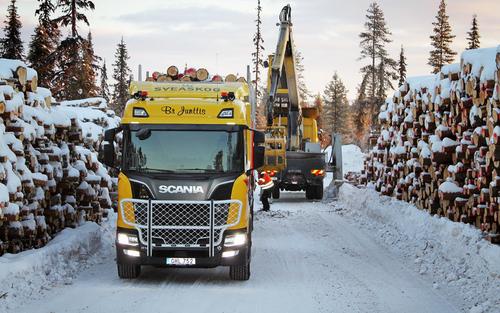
<point x="127" y="239"/>
<point x="235" y="240"/>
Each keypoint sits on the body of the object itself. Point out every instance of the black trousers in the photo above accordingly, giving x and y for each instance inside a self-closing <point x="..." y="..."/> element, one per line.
<point x="266" y="194"/>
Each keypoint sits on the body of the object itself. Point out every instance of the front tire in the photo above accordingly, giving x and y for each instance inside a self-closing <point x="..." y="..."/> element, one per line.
<point x="128" y="271"/>
<point x="240" y="272"/>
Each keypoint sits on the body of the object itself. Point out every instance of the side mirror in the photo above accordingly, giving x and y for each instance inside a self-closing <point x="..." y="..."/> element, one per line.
<point x="108" y="154"/>
<point x="107" y="151"/>
<point x="258" y="138"/>
<point x="109" y="135"/>
<point x="258" y="158"/>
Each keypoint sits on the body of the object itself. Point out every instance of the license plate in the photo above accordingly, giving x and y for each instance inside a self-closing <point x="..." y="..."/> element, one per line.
<point x="181" y="261"/>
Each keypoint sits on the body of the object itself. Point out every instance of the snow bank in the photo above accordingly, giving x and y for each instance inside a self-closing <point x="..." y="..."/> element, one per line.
<point x="352" y="158"/>
<point x="442" y="251"/>
<point x="26" y="275"/>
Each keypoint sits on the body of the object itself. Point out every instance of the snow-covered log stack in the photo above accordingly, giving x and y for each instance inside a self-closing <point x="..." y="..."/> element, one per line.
<point x="49" y="174"/>
<point x="439" y="145"/>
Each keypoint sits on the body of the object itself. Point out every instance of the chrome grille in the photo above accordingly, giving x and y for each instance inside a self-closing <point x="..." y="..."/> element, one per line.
<point x="180" y="223"/>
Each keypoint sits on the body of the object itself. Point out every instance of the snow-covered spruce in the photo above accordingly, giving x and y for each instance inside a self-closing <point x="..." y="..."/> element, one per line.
<point x="438" y="146"/>
<point x="47" y="150"/>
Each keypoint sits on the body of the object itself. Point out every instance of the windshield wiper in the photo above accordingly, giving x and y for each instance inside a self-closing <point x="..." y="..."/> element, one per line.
<point x="200" y="169"/>
<point x="153" y="170"/>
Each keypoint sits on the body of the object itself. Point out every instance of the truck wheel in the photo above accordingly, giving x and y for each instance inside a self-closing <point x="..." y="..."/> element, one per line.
<point x="240" y="272"/>
<point x="310" y="192"/>
<point x="128" y="271"/>
<point x="276" y="192"/>
<point x="319" y="191"/>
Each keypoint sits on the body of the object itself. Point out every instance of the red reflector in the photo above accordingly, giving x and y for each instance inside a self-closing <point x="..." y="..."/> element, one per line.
<point x="144" y="94"/>
<point x="223" y="94"/>
<point x="318" y="172"/>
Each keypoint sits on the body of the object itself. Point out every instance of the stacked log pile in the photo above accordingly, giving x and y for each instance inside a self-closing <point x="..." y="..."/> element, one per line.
<point x="49" y="174"/>
<point x="439" y="145"/>
<point x="191" y="74"/>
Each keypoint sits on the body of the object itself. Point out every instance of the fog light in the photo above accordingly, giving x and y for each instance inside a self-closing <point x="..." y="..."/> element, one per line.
<point x="132" y="253"/>
<point x="235" y="240"/>
<point x="127" y="239"/>
<point x="230" y="253"/>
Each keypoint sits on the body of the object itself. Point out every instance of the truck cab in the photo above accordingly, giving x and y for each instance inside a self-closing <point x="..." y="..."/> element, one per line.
<point x="186" y="177"/>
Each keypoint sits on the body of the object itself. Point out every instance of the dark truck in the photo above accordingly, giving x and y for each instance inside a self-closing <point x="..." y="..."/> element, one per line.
<point x="304" y="171"/>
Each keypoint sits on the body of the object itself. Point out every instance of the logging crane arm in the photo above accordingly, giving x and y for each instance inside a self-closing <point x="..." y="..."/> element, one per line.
<point x="293" y="152"/>
<point x="282" y="82"/>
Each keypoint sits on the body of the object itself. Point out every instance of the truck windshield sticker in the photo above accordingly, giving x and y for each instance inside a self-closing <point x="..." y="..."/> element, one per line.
<point x="183" y="111"/>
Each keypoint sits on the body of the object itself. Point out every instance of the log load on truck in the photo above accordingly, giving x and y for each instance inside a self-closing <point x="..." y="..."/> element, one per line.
<point x="293" y="152"/>
<point x="186" y="185"/>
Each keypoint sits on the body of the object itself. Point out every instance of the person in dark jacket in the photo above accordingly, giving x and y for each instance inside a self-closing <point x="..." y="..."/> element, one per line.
<point x="266" y="185"/>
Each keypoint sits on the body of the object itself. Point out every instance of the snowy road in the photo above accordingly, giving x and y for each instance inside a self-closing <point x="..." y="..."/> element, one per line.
<point x="306" y="258"/>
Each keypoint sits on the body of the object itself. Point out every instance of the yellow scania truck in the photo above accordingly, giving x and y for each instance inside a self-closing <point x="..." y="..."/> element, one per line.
<point x="185" y="188"/>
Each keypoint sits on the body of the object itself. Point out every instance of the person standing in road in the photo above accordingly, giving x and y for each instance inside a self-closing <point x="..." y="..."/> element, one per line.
<point x="266" y="184"/>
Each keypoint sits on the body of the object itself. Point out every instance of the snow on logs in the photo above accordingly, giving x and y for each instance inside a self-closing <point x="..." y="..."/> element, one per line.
<point x="191" y="74"/>
<point x="49" y="174"/>
<point x="439" y="145"/>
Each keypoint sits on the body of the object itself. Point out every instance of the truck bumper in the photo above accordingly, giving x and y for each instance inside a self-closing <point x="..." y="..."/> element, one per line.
<point x="297" y="182"/>
<point x="160" y="255"/>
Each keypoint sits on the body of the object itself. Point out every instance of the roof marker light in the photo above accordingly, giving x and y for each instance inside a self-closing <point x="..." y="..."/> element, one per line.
<point x="140" y="112"/>
<point x="226" y="113"/>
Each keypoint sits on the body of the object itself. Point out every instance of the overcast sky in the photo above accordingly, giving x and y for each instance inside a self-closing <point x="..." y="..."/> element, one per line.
<point x="218" y="34"/>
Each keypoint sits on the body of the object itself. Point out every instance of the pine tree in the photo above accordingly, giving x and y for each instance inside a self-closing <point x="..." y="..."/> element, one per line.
<point x="89" y="69"/>
<point x="473" y="35"/>
<point x="261" y="115"/>
<point x="69" y="80"/>
<point x="104" y="88"/>
<point x="121" y="73"/>
<point x="382" y="69"/>
<point x="71" y="15"/>
<point x="402" y="67"/>
<point x="304" y="93"/>
<point x="361" y="113"/>
<point x="257" y="58"/>
<point x="318" y="103"/>
<point x="43" y="43"/>
<point x="12" y="45"/>
<point x="441" y="41"/>
<point x="336" y="107"/>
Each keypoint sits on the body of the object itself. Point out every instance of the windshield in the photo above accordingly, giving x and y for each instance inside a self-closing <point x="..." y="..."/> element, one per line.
<point x="185" y="151"/>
